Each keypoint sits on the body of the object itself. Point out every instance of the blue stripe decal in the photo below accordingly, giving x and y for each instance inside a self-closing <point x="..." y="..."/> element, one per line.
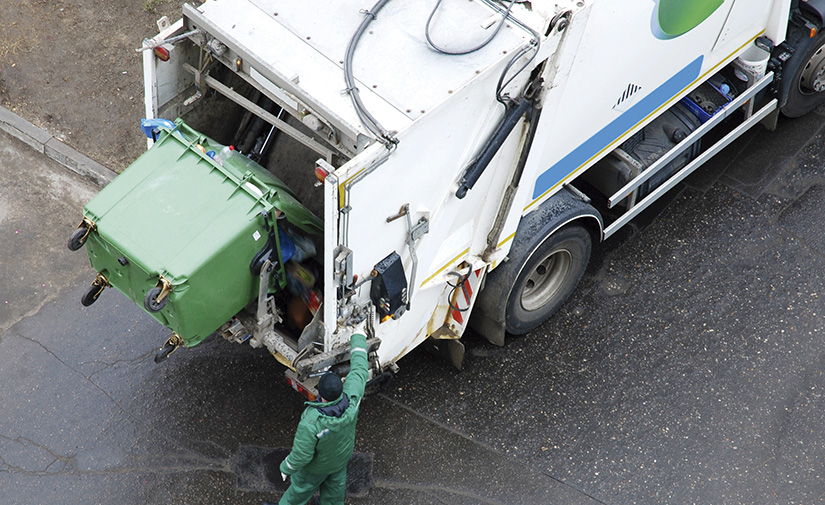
<point x="618" y="127"/>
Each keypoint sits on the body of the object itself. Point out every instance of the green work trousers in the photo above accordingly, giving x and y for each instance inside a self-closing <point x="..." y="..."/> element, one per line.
<point x="303" y="485"/>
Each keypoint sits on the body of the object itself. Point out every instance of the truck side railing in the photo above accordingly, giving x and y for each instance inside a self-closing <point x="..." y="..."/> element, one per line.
<point x="717" y="118"/>
<point x="633" y="185"/>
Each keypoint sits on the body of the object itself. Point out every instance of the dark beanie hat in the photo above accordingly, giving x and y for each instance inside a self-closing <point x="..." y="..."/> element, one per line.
<point x="330" y="386"/>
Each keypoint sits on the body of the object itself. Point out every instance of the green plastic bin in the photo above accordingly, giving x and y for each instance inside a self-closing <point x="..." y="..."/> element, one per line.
<point x="176" y="216"/>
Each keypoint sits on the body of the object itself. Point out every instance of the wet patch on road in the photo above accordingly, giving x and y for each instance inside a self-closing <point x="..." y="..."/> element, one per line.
<point x="613" y="286"/>
<point x="257" y="470"/>
<point x="802" y="218"/>
<point x="755" y="163"/>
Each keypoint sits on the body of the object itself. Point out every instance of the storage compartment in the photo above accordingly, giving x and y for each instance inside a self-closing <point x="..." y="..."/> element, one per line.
<point x="643" y="149"/>
<point x="181" y="226"/>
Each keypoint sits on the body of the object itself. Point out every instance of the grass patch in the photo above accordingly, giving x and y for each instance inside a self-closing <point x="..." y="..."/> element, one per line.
<point x="8" y="45"/>
<point x="151" y="5"/>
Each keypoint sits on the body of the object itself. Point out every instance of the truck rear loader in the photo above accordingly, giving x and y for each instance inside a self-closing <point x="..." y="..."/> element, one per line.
<point x="409" y="169"/>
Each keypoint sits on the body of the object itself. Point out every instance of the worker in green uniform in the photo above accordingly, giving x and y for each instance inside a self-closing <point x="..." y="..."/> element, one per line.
<point x="325" y="437"/>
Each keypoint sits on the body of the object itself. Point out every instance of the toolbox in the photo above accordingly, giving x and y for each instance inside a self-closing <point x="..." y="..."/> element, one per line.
<point x="179" y="232"/>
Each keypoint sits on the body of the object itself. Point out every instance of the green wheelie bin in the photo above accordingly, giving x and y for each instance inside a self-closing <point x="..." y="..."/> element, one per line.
<point x="178" y="232"/>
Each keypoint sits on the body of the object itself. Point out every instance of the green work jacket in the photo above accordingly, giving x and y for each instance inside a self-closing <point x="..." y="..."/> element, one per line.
<point x="323" y="444"/>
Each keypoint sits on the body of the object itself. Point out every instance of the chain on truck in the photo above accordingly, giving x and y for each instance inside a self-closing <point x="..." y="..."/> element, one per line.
<point x="407" y="169"/>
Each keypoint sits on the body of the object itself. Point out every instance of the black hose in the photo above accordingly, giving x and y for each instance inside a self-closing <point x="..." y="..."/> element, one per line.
<point x="461" y="284"/>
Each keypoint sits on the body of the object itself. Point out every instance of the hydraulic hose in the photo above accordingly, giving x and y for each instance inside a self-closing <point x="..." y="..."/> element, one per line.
<point x="515" y="110"/>
<point x="384" y="136"/>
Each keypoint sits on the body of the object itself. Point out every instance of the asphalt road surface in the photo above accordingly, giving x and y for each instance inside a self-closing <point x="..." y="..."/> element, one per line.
<point x="687" y="368"/>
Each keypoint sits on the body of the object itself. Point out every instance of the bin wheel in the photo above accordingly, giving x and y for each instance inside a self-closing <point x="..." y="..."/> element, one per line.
<point x="169" y="347"/>
<point x="151" y="301"/>
<point x="91" y="294"/>
<point x="78" y="238"/>
<point x="164" y="352"/>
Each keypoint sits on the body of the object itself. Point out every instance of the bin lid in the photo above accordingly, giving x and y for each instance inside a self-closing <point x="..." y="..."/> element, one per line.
<point x="175" y="204"/>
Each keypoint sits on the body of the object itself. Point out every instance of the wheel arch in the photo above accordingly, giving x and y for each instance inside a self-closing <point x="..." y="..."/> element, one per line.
<point x="559" y="211"/>
<point x="811" y="12"/>
<point x="814" y="10"/>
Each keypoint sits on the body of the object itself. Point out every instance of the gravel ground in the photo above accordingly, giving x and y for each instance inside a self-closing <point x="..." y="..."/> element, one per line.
<point x="80" y="78"/>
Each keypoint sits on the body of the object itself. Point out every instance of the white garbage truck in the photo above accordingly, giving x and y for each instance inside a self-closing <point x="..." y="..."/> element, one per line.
<point x="465" y="156"/>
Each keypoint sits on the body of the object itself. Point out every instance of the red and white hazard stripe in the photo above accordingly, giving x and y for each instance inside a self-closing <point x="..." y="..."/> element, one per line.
<point x="464" y="297"/>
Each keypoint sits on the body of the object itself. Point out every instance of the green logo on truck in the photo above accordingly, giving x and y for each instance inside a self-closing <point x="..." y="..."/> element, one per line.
<point x="673" y="18"/>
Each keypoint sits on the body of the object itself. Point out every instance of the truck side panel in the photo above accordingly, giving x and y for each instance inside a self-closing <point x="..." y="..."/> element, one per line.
<point x="612" y="74"/>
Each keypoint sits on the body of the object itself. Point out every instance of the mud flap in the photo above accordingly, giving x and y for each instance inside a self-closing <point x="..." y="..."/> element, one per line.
<point x="450" y="350"/>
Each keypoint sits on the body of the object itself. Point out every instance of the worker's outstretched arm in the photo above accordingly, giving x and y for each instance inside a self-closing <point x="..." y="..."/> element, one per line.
<point x="359" y="367"/>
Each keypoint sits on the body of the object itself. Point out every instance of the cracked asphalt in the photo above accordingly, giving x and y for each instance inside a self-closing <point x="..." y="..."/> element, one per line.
<point x="687" y="367"/>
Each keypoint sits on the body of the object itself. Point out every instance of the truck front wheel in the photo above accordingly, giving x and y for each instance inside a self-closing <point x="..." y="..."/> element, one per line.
<point x="547" y="278"/>
<point x="805" y="70"/>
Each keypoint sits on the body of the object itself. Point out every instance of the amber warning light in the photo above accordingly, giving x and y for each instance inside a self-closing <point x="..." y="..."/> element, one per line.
<point x="161" y="53"/>
<point x="320" y="174"/>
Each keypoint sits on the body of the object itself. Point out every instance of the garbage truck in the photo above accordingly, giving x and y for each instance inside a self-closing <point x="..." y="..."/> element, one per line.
<point x="413" y="169"/>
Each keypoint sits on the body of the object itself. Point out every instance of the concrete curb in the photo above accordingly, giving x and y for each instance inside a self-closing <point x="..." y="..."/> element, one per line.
<point x="44" y="142"/>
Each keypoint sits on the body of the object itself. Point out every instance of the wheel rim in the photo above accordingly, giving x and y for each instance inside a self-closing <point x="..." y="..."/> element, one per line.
<point x="813" y="77"/>
<point x="546" y="279"/>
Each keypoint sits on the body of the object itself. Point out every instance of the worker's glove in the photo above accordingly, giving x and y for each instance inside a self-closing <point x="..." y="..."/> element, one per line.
<point x="283" y="476"/>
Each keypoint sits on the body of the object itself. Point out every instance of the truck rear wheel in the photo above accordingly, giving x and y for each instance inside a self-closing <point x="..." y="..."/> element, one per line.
<point x="550" y="272"/>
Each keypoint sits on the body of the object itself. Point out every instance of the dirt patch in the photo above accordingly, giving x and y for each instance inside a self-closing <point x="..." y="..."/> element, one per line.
<point x="70" y="67"/>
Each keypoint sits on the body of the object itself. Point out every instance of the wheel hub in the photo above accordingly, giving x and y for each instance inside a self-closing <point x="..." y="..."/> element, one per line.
<point x="813" y="77"/>
<point x="546" y="279"/>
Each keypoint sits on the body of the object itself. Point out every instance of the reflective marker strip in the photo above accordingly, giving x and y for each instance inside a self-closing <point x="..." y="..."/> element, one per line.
<point x="322" y="434"/>
<point x="358" y="349"/>
<point x="287" y="464"/>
